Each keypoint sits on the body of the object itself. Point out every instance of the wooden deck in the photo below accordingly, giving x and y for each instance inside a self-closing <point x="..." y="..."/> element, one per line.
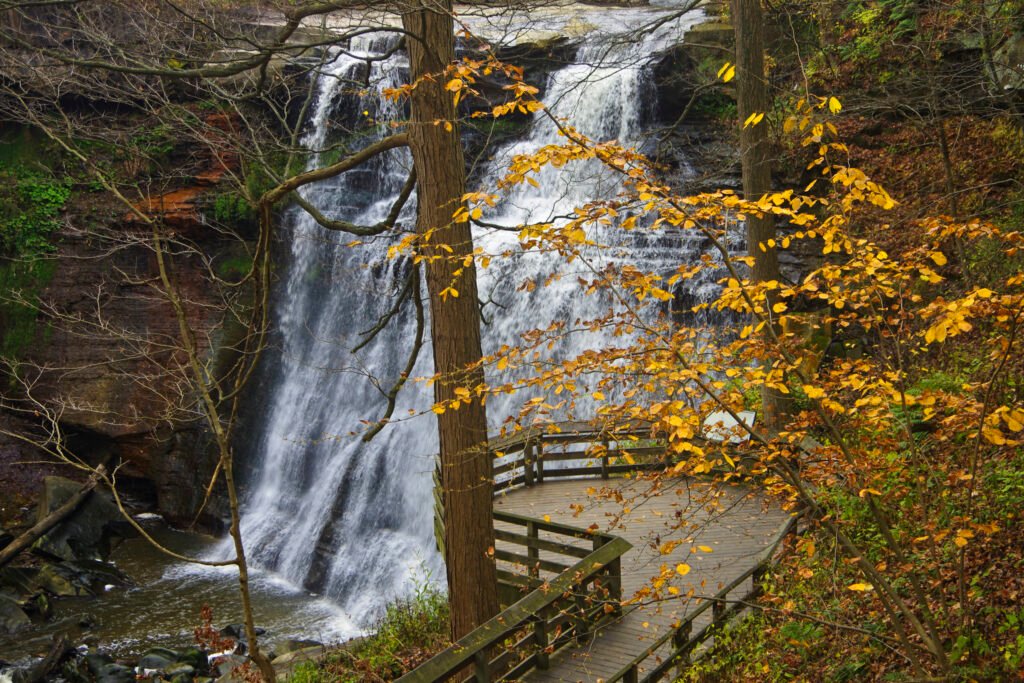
<point x="735" y="523"/>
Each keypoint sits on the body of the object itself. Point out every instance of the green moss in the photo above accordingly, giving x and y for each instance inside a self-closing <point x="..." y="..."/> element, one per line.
<point x="20" y="285"/>
<point x="231" y="208"/>
<point x="234" y="267"/>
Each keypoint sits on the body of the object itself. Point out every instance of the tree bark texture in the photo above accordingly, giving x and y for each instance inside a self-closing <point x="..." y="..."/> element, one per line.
<point x="454" y="320"/>
<point x="752" y="97"/>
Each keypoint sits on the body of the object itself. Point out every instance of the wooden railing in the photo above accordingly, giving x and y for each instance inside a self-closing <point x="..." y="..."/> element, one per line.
<point x="529" y="457"/>
<point x="557" y="612"/>
<point x="534" y="455"/>
<point x="655" y="663"/>
<point x="573" y="575"/>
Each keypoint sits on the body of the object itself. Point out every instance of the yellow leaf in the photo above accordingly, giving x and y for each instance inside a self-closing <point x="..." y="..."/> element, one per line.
<point x="834" y="105"/>
<point x="727" y="72"/>
<point x="938" y="257"/>
<point x="813" y="391"/>
<point x="547" y="518"/>
<point x="438" y="408"/>
<point x="705" y="549"/>
<point x="682" y="569"/>
<point x="598" y="396"/>
<point x="861" y="587"/>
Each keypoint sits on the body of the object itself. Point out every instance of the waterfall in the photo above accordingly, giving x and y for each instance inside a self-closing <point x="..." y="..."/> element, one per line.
<point x="352" y="520"/>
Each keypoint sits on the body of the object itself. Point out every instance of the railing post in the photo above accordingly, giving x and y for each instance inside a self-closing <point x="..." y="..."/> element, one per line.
<point x="540" y="639"/>
<point x="538" y="457"/>
<point x="580" y="620"/>
<point x="482" y="667"/>
<point x="632" y="675"/>
<point x="680" y="641"/>
<point x="757" y="578"/>
<point x="532" y="551"/>
<point x="615" y="586"/>
<point x="528" y="463"/>
<point x="604" y="460"/>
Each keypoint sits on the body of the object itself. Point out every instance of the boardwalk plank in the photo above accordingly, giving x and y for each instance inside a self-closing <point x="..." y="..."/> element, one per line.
<point x="733" y="522"/>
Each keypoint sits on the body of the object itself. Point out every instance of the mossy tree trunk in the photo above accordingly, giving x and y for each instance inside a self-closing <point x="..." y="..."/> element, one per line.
<point x="455" y="317"/>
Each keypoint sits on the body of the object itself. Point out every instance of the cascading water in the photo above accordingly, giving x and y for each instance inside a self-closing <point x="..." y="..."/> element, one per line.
<point x="325" y="510"/>
<point x="353" y="520"/>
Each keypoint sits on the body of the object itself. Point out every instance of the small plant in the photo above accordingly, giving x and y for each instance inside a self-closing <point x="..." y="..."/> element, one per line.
<point x="30" y="205"/>
<point x="232" y="208"/>
<point x="207" y="636"/>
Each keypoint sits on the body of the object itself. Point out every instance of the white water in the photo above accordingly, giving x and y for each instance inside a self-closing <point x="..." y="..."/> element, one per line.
<point x="354" y="521"/>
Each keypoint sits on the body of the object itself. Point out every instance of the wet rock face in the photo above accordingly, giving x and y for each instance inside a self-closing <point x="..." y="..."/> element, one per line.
<point x="87" y="533"/>
<point x="12" y="618"/>
<point x="123" y="390"/>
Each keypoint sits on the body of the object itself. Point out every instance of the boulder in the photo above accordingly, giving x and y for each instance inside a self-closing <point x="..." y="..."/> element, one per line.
<point x="157" y="659"/>
<point x="12" y="617"/>
<point x="18" y="583"/>
<point x="94" y="577"/>
<point x="115" y="673"/>
<point x="237" y="631"/>
<point x="226" y="666"/>
<point x="58" y="582"/>
<point x="86" y="534"/>
<point x="195" y="658"/>
<point x="292" y="645"/>
<point x="180" y="669"/>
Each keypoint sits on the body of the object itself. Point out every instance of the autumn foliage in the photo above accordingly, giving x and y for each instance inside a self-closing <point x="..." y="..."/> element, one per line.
<point x="895" y="464"/>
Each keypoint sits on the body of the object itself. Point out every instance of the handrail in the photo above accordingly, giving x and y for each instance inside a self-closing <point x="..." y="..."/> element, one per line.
<point x="534" y="611"/>
<point x="540" y="608"/>
<point x="683" y="643"/>
<point x="527" y="450"/>
<point x="526" y="447"/>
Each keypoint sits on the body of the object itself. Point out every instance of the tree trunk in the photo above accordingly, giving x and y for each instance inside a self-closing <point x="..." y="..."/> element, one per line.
<point x="455" y="319"/>
<point x="752" y="97"/>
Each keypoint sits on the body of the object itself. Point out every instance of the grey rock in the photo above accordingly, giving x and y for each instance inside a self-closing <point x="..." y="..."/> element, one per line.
<point x="98" y="661"/>
<point x="12" y="617"/>
<point x="227" y="664"/>
<point x="194" y="657"/>
<point x="158" y="659"/>
<point x="94" y="576"/>
<point x="179" y="669"/>
<point x="58" y="582"/>
<point x="86" y="534"/>
<point x="18" y="582"/>
<point x="237" y="631"/>
<point x="115" y="673"/>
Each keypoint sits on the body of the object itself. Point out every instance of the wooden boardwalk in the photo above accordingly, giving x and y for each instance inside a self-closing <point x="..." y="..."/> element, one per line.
<point x="734" y="522"/>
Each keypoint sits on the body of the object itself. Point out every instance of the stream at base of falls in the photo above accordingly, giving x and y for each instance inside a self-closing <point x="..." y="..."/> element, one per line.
<point x="163" y="608"/>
